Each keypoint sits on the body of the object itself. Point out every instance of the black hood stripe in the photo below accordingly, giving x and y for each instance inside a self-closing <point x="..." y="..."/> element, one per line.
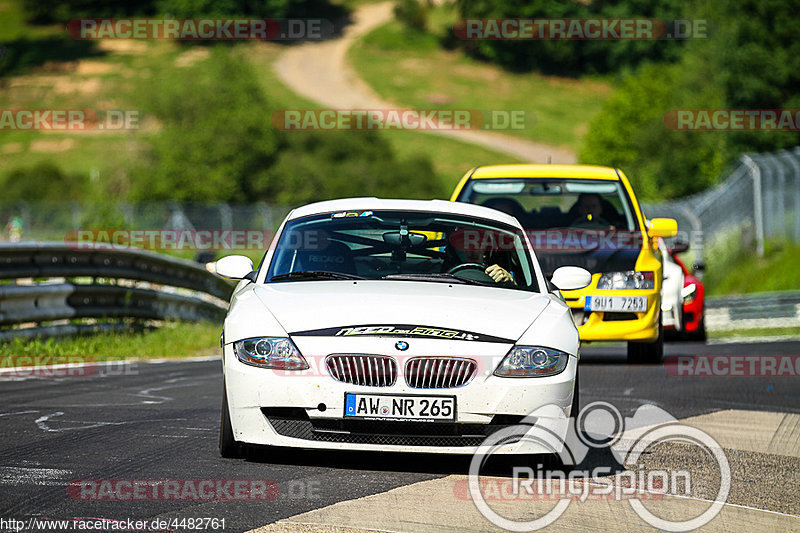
<point x="402" y="330"/>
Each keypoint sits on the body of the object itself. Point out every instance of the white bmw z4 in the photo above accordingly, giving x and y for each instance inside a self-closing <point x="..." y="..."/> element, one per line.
<point x="395" y="325"/>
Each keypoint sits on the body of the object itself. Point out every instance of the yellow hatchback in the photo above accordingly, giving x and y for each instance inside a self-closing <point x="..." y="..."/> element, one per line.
<point x="587" y="216"/>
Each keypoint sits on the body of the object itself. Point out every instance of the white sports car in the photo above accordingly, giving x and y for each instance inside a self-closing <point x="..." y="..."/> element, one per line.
<point x="671" y="291"/>
<point x="395" y="325"/>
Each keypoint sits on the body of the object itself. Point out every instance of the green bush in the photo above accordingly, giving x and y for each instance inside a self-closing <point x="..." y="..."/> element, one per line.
<point x="49" y="11"/>
<point x="216" y="139"/>
<point x="317" y="166"/>
<point x="412" y="13"/>
<point x="572" y="57"/>
<point x="43" y="182"/>
<point x="630" y="133"/>
<point x="217" y="144"/>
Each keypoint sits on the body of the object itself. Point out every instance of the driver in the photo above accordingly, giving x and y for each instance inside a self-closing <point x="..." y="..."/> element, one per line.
<point x="495" y="271"/>
<point x="589" y="206"/>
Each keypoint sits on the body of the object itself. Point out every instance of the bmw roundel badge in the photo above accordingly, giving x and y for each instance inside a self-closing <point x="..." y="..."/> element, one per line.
<point x="401" y="345"/>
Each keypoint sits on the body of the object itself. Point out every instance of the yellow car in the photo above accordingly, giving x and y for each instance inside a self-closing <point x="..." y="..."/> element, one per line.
<point x="587" y="216"/>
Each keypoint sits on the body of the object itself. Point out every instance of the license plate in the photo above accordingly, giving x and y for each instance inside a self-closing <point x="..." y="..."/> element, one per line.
<point x="631" y="304"/>
<point x="401" y="407"/>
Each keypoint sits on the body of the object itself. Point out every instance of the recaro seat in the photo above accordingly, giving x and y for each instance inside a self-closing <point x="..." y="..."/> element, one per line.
<point x="335" y="257"/>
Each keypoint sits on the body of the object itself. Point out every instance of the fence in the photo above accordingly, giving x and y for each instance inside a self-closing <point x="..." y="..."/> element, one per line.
<point x="760" y="199"/>
<point x="100" y="284"/>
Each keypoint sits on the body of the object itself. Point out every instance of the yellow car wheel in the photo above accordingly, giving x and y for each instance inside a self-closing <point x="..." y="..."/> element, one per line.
<point x="647" y="353"/>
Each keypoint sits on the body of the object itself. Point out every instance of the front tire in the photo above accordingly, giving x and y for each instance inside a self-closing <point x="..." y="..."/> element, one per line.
<point x="575" y="409"/>
<point x="229" y="447"/>
<point x="699" y="335"/>
<point x="647" y="353"/>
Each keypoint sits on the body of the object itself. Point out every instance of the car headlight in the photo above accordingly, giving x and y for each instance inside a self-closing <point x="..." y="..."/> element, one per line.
<point x="632" y="279"/>
<point x="270" y="352"/>
<point x="688" y="292"/>
<point x="532" y="361"/>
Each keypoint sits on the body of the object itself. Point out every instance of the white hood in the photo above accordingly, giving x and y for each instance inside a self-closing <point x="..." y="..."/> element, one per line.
<point x="308" y="306"/>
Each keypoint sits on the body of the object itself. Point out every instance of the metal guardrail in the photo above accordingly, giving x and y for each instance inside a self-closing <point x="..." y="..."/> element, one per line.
<point x="756" y="310"/>
<point x="65" y="299"/>
<point x="59" y="259"/>
<point x="60" y="301"/>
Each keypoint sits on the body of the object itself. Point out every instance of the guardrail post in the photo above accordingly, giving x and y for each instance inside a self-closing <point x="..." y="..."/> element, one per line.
<point x="696" y="239"/>
<point x="758" y="213"/>
<point x="266" y="215"/>
<point x="225" y="216"/>
<point x="793" y="158"/>
<point x="779" y="212"/>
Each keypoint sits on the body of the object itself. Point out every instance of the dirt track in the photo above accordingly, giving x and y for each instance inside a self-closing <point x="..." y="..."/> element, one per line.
<point x="319" y="71"/>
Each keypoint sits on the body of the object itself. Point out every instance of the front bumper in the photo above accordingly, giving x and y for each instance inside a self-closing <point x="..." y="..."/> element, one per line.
<point x="306" y="410"/>
<point x="693" y="314"/>
<point x="608" y="326"/>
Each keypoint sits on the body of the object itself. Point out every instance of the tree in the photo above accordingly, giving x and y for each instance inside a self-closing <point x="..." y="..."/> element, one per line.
<point x="750" y="61"/>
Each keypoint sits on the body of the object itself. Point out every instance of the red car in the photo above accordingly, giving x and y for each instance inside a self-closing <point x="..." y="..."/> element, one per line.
<point x="693" y="293"/>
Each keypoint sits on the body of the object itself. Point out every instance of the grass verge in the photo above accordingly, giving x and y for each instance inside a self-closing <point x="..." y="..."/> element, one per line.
<point x="734" y="269"/>
<point x="412" y="69"/>
<point x="756" y="332"/>
<point x="172" y="340"/>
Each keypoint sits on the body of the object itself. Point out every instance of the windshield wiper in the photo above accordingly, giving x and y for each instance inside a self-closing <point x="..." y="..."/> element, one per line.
<point x="313" y="274"/>
<point x="439" y="277"/>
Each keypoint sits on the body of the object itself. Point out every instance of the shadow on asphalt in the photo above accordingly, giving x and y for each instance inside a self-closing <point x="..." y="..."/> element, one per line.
<point x="500" y="466"/>
<point x="603" y="353"/>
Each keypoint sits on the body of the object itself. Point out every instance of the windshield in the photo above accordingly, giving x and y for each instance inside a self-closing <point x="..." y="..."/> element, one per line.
<point x="548" y="203"/>
<point x="402" y="246"/>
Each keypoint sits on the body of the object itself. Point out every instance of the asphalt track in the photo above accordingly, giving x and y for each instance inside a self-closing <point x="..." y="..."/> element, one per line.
<point x="156" y="421"/>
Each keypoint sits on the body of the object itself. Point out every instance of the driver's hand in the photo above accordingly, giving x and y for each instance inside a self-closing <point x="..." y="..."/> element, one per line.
<point x="499" y="274"/>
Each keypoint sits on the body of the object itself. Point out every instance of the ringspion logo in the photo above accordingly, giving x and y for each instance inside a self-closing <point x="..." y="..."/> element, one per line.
<point x="601" y="426"/>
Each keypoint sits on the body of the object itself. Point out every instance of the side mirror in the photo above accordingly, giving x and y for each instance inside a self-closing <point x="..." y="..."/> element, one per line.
<point x="235" y="267"/>
<point x="570" y="278"/>
<point x="662" y="227"/>
<point x="699" y="266"/>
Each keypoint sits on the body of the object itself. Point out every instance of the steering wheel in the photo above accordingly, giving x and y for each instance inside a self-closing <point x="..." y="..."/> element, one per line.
<point x="464" y="266"/>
